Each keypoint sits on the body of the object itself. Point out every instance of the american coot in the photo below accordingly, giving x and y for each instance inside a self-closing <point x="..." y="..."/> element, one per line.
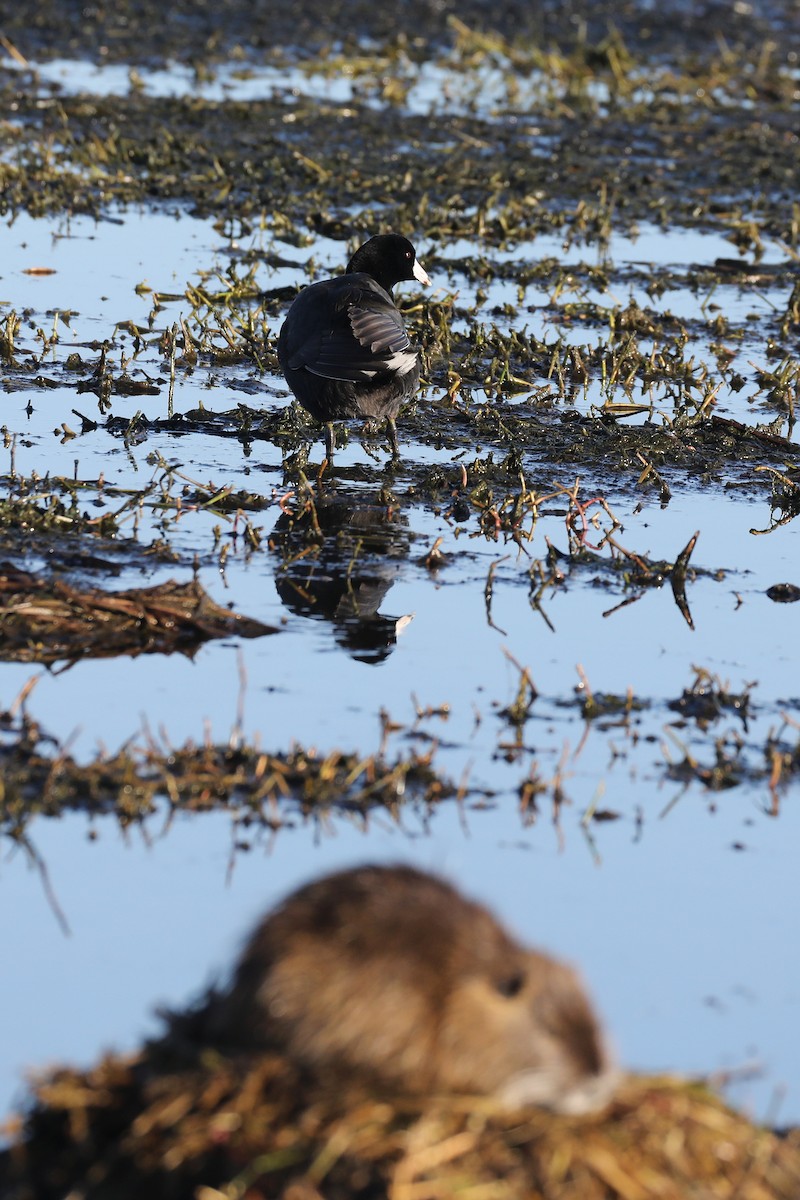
<point x="343" y="347"/>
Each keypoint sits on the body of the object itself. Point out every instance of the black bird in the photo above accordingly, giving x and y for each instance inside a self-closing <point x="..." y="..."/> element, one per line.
<point x="343" y="347"/>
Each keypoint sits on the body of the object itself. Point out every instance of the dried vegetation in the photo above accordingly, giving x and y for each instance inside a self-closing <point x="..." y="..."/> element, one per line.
<point x="245" y="1130"/>
<point x="50" y="622"/>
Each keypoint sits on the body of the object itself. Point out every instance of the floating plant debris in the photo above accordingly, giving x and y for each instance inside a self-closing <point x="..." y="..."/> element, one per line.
<point x="49" y="620"/>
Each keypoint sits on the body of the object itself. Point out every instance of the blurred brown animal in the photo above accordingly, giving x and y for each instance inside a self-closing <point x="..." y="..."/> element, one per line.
<point x="390" y="974"/>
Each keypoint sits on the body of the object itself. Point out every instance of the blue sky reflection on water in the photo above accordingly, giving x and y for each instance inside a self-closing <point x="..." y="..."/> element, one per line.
<point x="686" y="975"/>
<point x="682" y="938"/>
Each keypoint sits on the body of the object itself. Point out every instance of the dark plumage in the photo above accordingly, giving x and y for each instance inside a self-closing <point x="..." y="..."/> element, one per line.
<point x="343" y="347"/>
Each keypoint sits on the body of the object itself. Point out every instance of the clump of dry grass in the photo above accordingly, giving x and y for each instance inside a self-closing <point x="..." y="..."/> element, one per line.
<point x="49" y="621"/>
<point x="215" y="1127"/>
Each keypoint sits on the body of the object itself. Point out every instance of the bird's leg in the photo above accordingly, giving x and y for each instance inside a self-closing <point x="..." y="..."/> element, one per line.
<point x="392" y="428"/>
<point x="330" y="445"/>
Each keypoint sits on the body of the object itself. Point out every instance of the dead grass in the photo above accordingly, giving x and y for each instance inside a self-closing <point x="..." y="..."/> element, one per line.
<point x="152" y="1126"/>
<point x="48" y="620"/>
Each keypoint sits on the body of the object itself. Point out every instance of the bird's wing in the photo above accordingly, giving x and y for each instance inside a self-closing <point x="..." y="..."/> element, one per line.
<point x="362" y="337"/>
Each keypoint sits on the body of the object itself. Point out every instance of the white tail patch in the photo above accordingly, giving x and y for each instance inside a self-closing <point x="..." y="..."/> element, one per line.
<point x="402" y="362"/>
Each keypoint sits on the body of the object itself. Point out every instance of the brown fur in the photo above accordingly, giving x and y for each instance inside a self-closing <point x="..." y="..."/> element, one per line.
<point x="391" y="974"/>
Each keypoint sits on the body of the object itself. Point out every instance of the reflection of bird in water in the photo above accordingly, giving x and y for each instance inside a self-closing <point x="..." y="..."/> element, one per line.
<point x="339" y="561"/>
<point x="343" y="347"/>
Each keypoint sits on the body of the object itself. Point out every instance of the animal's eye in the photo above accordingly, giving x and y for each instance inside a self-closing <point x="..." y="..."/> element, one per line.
<point x="511" y="985"/>
<point x="409" y="254"/>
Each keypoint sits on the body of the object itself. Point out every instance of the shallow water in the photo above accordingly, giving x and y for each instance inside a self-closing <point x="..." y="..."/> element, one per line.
<point x="679" y="912"/>
<point x="96" y="266"/>
<point x="425" y="88"/>
<point x="490" y="84"/>
<point x="717" y="996"/>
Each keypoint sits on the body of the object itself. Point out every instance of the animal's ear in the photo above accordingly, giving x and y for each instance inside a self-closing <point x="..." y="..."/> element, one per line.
<point x="510" y="985"/>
